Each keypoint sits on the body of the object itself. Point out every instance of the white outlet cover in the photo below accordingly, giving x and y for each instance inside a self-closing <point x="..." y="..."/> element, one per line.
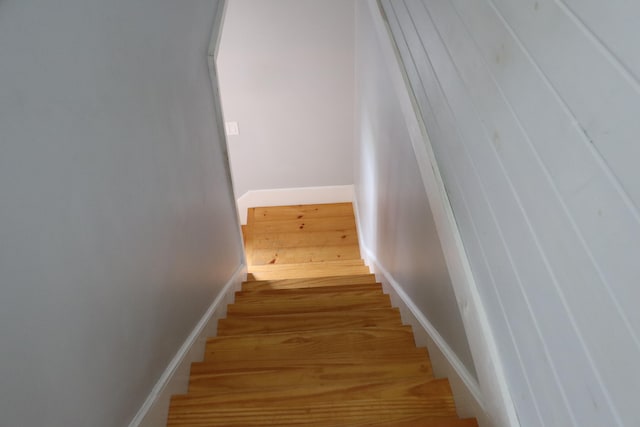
<point x="231" y="128"/>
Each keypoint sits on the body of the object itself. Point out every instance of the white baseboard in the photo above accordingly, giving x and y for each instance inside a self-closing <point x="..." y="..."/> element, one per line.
<point x="293" y="196"/>
<point x="445" y="362"/>
<point x="175" y="379"/>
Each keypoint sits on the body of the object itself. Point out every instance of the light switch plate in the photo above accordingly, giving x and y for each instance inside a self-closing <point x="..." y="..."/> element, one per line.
<point x="231" y="128"/>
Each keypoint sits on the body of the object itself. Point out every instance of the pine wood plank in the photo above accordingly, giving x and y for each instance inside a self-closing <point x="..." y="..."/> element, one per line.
<point x="309" y="282"/>
<point x="247" y="325"/>
<point x="295" y="212"/>
<point x="415" y="355"/>
<point x="248" y="243"/>
<point x="266" y="305"/>
<point x="335" y="291"/>
<point x="326" y="343"/>
<point x="304" y="254"/>
<point x="431" y="422"/>
<point x="321" y="265"/>
<point x="307" y="270"/>
<point x="343" y="223"/>
<point x="300" y="274"/>
<point x="334" y="413"/>
<point x="224" y="379"/>
<point x="435" y="392"/>
<point x="264" y="240"/>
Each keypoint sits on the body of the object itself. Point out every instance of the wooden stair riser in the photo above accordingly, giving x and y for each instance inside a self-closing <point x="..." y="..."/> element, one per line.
<point x="309" y="282"/>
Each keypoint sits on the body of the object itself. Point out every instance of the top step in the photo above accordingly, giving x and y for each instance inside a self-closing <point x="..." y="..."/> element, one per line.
<point x="297" y="212"/>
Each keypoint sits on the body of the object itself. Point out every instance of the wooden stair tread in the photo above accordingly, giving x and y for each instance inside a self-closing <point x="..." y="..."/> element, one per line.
<point x="307" y="265"/>
<point x="434" y="395"/>
<point x="309" y="282"/>
<point x="305" y="321"/>
<point x="430" y="422"/>
<point x="211" y="376"/>
<point x="420" y="387"/>
<point x="325" y="343"/>
<point x="283" y="255"/>
<point x="302" y="225"/>
<point x="254" y="307"/>
<point x="269" y="297"/>
<point x="324" y="210"/>
<point x="309" y="239"/>
<point x="334" y="413"/>
<point x="299" y="274"/>
<point x="416" y="355"/>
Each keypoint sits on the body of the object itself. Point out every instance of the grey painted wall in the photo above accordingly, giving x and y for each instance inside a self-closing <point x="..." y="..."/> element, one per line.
<point x="396" y="221"/>
<point x="286" y="76"/>
<point x="532" y="109"/>
<point x="117" y="227"/>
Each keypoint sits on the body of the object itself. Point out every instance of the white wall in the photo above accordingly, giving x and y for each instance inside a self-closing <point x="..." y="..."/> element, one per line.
<point x="395" y="219"/>
<point x="117" y="226"/>
<point x="532" y="111"/>
<point x="286" y="76"/>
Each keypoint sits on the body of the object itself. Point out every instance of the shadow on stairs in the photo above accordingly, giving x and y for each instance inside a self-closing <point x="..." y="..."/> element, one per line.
<point x="311" y="339"/>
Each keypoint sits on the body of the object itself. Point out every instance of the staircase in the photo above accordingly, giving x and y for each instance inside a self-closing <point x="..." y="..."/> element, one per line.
<point x="311" y="339"/>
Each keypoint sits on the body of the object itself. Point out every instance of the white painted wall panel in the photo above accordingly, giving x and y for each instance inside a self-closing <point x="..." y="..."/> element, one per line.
<point x="396" y="221"/>
<point x="286" y="76"/>
<point x="117" y="222"/>
<point x="547" y="210"/>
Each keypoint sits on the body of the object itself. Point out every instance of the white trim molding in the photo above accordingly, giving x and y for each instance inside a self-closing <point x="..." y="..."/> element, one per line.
<point x="492" y="393"/>
<point x="175" y="378"/>
<point x="293" y="196"/>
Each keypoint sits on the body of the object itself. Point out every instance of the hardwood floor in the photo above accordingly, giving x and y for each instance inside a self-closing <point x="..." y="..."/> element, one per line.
<point x="311" y="339"/>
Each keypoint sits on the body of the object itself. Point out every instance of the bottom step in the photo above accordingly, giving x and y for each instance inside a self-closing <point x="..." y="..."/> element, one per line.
<point x="388" y="412"/>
